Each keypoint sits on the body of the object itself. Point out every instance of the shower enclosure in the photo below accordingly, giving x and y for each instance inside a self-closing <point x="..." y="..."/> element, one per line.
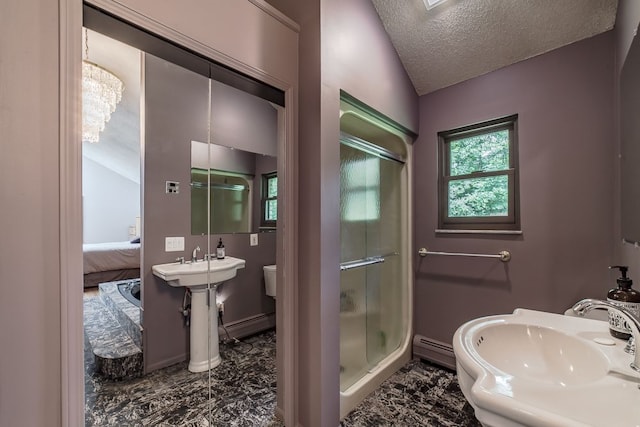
<point x="375" y="287"/>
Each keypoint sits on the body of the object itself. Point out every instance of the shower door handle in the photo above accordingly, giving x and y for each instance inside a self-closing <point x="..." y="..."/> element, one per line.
<point x="361" y="263"/>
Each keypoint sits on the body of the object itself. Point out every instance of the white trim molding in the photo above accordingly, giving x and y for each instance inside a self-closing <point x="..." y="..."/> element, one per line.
<point x="275" y="13"/>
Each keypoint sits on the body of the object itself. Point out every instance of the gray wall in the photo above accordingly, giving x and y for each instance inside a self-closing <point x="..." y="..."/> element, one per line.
<point x="565" y="104"/>
<point x="176" y="114"/>
<point x="111" y="203"/>
<point x="342" y="46"/>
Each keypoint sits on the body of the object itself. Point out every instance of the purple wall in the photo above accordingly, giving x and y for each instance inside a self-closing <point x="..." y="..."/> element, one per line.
<point x="167" y="156"/>
<point x="343" y="45"/>
<point x="32" y="167"/>
<point x="357" y="57"/>
<point x="565" y="104"/>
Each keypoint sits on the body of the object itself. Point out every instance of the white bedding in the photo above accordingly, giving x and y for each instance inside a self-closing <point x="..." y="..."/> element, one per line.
<point x="110" y="256"/>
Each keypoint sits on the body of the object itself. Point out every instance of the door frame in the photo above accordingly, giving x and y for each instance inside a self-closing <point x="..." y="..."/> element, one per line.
<point x="72" y="341"/>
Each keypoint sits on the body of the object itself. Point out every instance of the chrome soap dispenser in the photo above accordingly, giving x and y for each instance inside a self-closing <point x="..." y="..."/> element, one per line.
<point x="626" y="297"/>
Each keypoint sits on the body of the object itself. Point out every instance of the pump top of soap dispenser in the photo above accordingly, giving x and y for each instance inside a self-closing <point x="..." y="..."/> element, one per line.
<point x="623" y="281"/>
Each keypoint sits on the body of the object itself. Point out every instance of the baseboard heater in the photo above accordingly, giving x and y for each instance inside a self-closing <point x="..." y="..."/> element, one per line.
<point x="248" y="326"/>
<point x="434" y="351"/>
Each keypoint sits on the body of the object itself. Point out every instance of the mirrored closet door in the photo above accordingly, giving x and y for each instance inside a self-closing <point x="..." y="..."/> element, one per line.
<point x="207" y="224"/>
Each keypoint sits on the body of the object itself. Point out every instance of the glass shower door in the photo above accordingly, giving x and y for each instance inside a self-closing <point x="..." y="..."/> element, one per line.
<point x="371" y="280"/>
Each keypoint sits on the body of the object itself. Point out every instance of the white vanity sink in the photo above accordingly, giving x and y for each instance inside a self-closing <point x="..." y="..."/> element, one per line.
<point x="533" y="368"/>
<point x="198" y="273"/>
<point x="203" y="327"/>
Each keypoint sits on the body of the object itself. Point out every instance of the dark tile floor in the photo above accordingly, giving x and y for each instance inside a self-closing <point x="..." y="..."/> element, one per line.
<point x="243" y="393"/>
<point x="419" y="394"/>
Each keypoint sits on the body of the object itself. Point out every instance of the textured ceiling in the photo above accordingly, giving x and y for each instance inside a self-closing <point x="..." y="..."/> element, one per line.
<point x="462" y="39"/>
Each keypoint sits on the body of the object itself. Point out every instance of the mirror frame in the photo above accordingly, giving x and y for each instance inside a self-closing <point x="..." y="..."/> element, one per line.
<point x="630" y="145"/>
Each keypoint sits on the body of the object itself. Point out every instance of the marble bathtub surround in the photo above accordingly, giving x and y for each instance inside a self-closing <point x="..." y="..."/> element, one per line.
<point x="127" y="314"/>
<point x="113" y="333"/>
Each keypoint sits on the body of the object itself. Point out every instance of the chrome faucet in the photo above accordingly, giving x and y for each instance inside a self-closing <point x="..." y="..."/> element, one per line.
<point x="194" y="254"/>
<point x="584" y="306"/>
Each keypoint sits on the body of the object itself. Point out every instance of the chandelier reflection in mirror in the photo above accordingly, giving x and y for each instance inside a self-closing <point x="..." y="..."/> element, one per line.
<point x="101" y="92"/>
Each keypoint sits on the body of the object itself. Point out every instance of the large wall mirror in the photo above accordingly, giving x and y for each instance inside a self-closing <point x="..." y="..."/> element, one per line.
<point x="243" y="190"/>
<point x="191" y="151"/>
<point x="238" y="166"/>
<point x="630" y="144"/>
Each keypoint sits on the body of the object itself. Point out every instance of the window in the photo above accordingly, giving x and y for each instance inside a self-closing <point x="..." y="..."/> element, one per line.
<point x="478" y="181"/>
<point x="269" y="199"/>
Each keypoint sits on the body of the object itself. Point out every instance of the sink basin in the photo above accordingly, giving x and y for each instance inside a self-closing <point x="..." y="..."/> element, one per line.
<point x="198" y="273"/>
<point x="533" y="368"/>
<point x="539" y="354"/>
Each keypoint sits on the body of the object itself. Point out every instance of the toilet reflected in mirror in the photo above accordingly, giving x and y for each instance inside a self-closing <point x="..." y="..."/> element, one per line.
<point x="270" y="280"/>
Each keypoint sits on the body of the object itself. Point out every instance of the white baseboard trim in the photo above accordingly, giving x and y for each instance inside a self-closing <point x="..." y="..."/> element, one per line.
<point x="434" y="351"/>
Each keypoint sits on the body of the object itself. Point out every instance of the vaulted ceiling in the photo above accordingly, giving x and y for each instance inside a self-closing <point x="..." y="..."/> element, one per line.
<point x="462" y="39"/>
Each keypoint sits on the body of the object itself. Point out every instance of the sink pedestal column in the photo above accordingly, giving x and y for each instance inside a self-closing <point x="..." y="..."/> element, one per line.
<point x="203" y="358"/>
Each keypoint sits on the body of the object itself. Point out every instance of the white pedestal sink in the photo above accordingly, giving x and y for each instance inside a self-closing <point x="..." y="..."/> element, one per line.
<point x="538" y="369"/>
<point x="196" y="276"/>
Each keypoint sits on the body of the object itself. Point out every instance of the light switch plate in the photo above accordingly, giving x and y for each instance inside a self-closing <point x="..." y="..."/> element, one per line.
<point x="253" y="239"/>
<point x="173" y="244"/>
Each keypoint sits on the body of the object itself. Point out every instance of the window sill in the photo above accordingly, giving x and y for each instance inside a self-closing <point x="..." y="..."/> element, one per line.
<point x="512" y="232"/>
